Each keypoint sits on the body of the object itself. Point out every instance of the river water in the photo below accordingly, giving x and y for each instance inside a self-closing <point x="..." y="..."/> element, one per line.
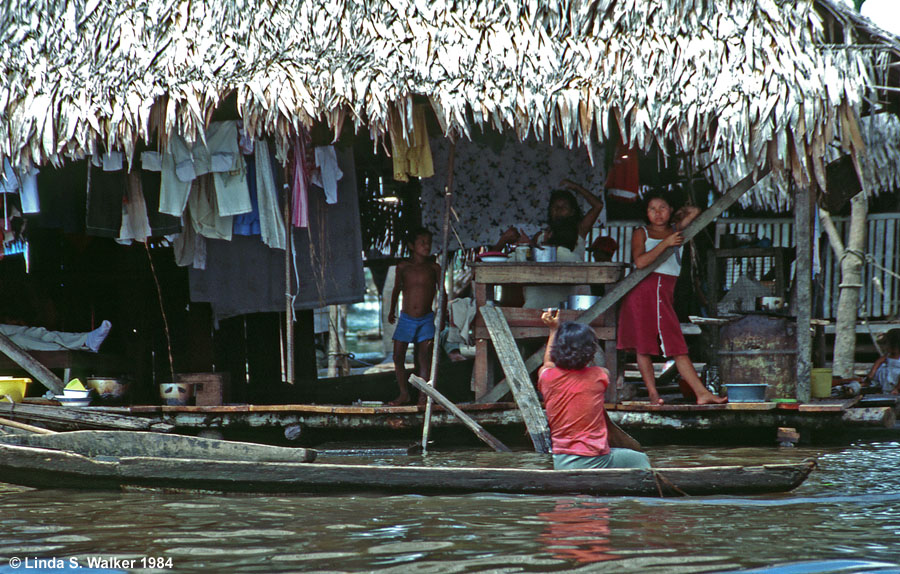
<point x="844" y="518"/>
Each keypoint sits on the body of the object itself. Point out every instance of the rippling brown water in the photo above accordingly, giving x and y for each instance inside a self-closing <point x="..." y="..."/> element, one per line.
<point x="846" y="518"/>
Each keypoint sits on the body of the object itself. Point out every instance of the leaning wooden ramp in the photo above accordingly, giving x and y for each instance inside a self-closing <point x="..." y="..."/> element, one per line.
<point x="518" y="378"/>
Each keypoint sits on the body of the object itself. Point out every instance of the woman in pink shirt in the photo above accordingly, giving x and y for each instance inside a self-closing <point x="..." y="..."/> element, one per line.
<point x="573" y="397"/>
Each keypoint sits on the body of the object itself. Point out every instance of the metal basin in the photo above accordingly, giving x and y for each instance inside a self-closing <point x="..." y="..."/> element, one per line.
<point x="581" y="302"/>
<point x="747" y="392"/>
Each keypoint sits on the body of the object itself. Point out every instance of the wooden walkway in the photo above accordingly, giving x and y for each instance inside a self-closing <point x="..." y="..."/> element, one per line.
<point x="825" y="414"/>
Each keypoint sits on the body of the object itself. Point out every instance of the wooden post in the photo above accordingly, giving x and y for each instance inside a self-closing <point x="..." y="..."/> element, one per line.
<point x="288" y="294"/>
<point x="21" y="357"/>
<point x="803" y="289"/>
<point x="442" y="297"/>
<point x="479" y="431"/>
<point x="636" y="276"/>
<point x="338" y="362"/>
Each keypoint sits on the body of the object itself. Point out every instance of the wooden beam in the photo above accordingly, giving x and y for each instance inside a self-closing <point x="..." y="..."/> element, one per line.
<point x="81" y="418"/>
<point x="870" y="416"/>
<point x="21" y="357"/>
<point x="440" y="399"/>
<point x="517" y="376"/>
<point x="622" y="288"/>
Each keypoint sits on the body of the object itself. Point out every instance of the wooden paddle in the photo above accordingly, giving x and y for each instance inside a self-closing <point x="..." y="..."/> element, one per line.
<point x="618" y="438"/>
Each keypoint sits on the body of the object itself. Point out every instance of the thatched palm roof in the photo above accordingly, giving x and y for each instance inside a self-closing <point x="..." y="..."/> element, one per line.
<point x="739" y="78"/>
<point x="880" y="166"/>
<point x="877" y="54"/>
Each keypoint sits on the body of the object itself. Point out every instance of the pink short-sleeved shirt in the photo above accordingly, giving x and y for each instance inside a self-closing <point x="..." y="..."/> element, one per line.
<point x="574" y="403"/>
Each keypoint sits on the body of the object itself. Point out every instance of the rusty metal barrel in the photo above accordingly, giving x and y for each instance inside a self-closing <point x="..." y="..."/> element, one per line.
<point x="760" y="349"/>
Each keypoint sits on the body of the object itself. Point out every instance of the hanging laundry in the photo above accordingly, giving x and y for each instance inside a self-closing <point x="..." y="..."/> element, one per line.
<point x="151" y="161"/>
<point x="23" y="182"/>
<point x="9" y="181"/>
<point x="623" y="181"/>
<point x="271" y="218"/>
<point x="28" y="191"/>
<point x="248" y="223"/>
<point x="302" y="172"/>
<point x="112" y="161"/>
<point x="411" y="151"/>
<point x="328" y="172"/>
<point x="204" y="213"/>
<point x="135" y="222"/>
<point x="219" y="155"/>
<point x="105" y="194"/>
<point x="245" y="140"/>
<point x="188" y="247"/>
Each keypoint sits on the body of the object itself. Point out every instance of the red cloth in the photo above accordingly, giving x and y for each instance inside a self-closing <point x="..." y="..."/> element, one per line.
<point x="647" y="320"/>
<point x="574" y="403"/>
<point x="623" y="180"/>
<point x="303" y="168"/>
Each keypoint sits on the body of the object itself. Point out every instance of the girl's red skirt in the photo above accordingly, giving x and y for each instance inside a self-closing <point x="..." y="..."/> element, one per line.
<point x="647" y="321"/>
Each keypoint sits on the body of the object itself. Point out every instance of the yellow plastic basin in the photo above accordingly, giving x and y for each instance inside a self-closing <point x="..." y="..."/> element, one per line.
<point x="14" y="388"/>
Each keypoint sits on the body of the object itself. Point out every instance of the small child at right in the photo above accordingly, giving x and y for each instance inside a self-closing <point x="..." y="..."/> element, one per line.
<point x="885" y="373"/>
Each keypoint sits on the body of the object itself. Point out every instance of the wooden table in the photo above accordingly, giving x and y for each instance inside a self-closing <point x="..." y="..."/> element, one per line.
<point x="526" y="323"/>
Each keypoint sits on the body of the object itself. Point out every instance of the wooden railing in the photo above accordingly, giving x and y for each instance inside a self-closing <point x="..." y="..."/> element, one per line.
<point x="880" y="297"/>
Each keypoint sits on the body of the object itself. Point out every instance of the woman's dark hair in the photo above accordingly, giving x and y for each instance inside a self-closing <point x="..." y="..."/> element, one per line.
<point x="574" y="346"/>
<point x="566" y="195"/>
<point x="892" y="340"/>
<point x="564" y="232"/>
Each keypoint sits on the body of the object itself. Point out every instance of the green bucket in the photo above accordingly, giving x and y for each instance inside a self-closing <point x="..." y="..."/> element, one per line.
<point x="821" y="383"/>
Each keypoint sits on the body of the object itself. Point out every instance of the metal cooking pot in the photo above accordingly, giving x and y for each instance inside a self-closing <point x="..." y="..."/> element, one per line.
<point x="581" y="302"/>
<point x="545" y="254"/>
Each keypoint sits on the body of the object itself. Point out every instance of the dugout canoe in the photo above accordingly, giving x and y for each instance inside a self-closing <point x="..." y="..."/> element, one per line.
<point x="55" y="461"/>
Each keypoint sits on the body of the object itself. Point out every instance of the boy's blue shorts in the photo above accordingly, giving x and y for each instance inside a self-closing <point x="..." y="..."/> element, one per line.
<point x="414" y="329"/>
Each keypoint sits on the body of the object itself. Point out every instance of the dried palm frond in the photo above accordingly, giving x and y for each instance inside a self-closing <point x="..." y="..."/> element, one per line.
<point x="751" y="80"/>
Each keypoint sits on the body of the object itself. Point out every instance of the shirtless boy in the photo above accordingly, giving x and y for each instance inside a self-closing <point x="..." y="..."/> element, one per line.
<point x="417" y="278"/>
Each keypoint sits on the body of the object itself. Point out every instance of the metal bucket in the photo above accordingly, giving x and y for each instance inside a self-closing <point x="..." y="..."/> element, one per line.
<point x="175" y="394"/>
<point x="760" y="349"/>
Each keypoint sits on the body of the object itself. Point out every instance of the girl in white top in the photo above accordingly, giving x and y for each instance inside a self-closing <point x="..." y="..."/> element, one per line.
<point x="648" y="324"/>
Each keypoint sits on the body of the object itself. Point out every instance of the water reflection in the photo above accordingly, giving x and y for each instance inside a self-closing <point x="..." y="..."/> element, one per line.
<point x="846" y="515"/>
<point x="578" y="530"/>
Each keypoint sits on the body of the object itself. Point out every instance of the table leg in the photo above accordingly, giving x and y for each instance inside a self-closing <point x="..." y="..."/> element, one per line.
<point x="481" y="370"/>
